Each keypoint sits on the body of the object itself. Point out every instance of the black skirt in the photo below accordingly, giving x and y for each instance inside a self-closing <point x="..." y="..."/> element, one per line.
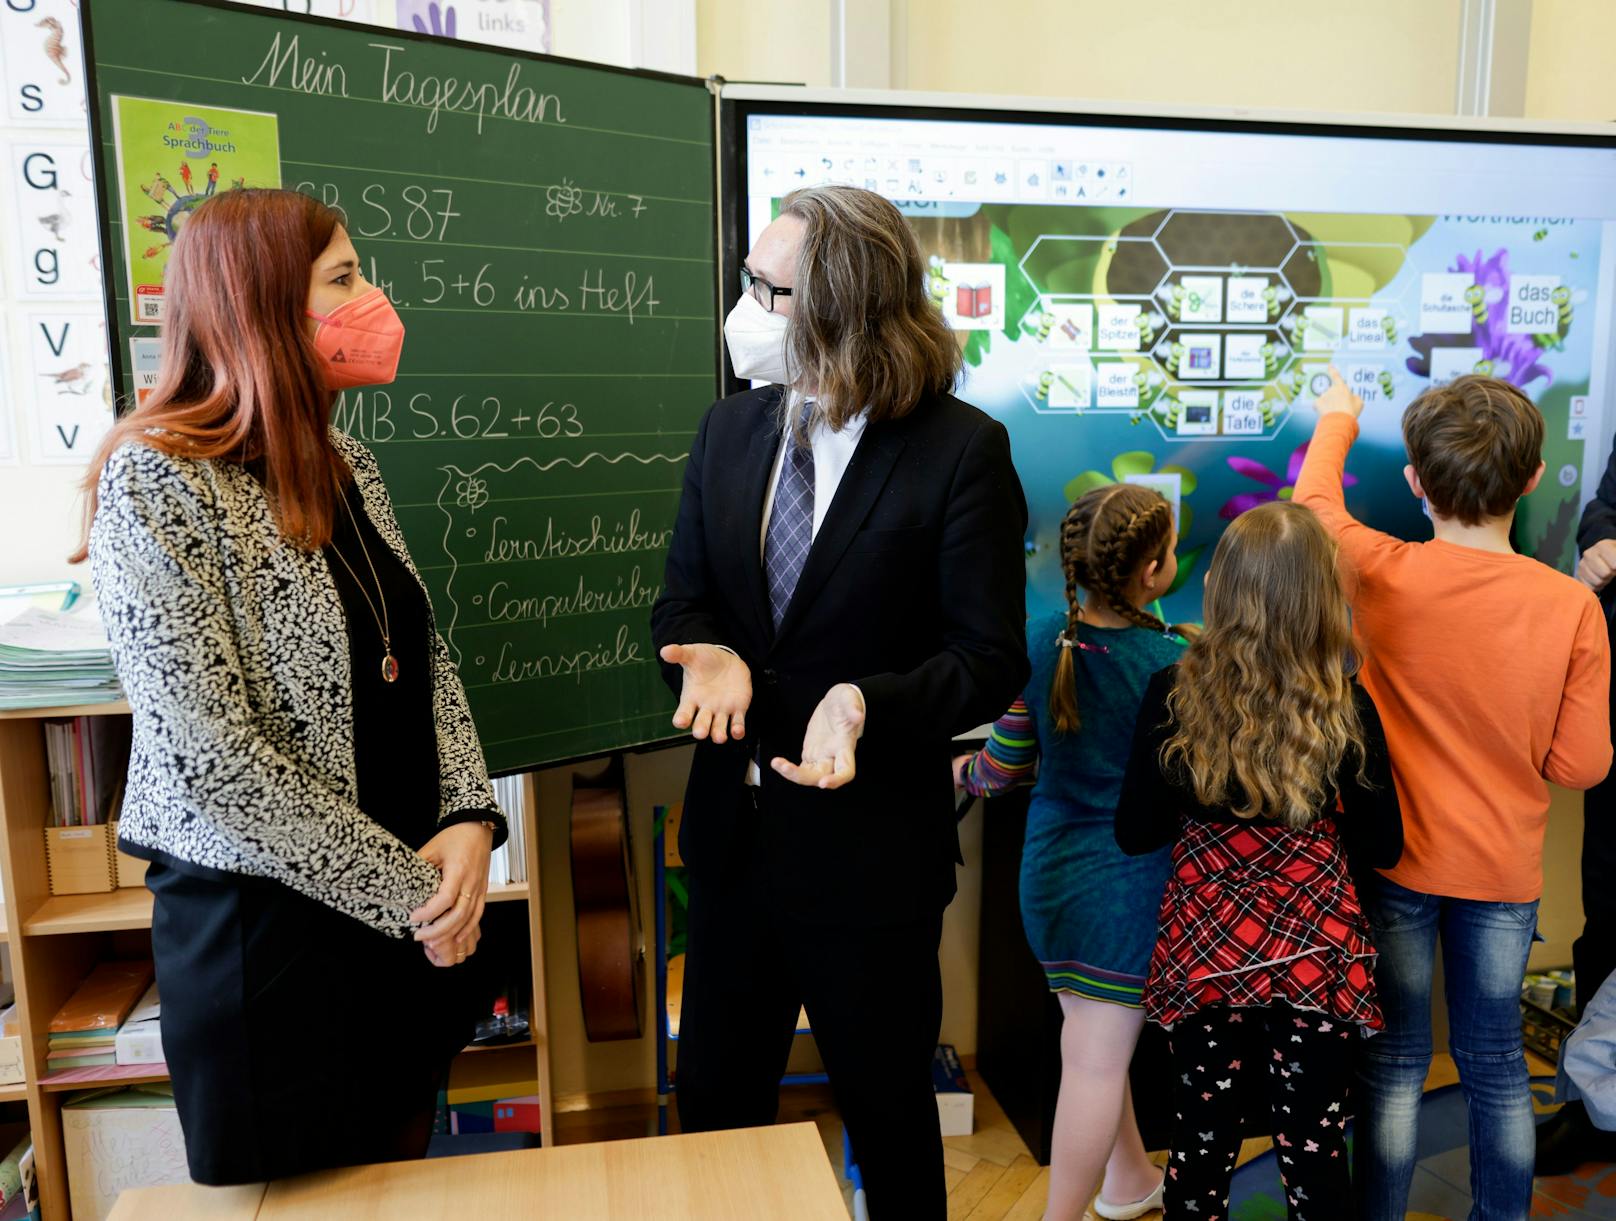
<point x="297" y="1038"/>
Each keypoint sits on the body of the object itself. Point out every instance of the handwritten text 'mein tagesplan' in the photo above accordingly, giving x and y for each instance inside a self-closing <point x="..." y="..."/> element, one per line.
<point x="288" y="64"/>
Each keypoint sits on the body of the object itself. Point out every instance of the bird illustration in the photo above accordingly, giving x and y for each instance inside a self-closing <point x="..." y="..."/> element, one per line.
<point x="55" y="48"/>
<point x="156" y="224"/>
<point x="57" y="220"/>
<point x="71" y="381"/>
<point x="213" y="177"/>
<point x="185" y="176"/>
<point x="153" y="251"/>
<point x="238" y="183"/>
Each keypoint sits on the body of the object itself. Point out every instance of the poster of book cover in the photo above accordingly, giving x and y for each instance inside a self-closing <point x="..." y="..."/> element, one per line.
<point x="173" y="157"/>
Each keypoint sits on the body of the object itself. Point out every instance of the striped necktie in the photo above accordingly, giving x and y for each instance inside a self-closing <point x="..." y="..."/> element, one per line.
<point x="791" y="521"/>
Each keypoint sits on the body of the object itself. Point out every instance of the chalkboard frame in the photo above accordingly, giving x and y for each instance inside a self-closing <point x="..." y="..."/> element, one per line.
<point x="123" y="391"/>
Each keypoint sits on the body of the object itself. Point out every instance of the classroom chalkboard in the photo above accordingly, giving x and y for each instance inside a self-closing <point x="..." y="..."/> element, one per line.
<point x="545" y="229"/>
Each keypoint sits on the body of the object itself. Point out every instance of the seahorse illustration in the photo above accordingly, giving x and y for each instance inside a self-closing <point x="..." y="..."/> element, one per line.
<point x="55" y="48"/>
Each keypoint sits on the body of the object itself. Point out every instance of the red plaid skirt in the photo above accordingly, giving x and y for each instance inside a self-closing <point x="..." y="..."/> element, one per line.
<point x="1257" y="913"/>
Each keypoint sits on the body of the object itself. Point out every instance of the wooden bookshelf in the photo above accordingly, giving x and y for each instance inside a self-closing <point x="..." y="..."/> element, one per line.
<point x="55" y="940"/>
<point x="110" y="1074"/>
<point x="116" y="708"/>
<point x="127" y="907"/>
<point x="131" y="907"/>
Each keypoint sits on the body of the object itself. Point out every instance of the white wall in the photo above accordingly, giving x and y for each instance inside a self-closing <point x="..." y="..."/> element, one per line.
<point x="1387" y="55"/>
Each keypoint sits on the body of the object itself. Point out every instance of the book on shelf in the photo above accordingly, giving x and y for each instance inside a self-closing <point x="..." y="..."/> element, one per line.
<point x="508" y="863"/>
<point x="11" y="1169"/>
<point x="109" y="1060"/>
<point x="49" y="658"/>
<point x="140" y="1038"/>
<point x="88" y="758"/>
<point x="105" y="999"/>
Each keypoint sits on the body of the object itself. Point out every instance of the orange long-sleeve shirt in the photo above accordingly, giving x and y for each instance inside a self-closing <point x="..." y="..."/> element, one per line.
<point x="1491" y="673"/>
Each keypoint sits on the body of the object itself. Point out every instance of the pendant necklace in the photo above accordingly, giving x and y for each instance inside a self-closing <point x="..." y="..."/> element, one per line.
<point x="389" y="662"/>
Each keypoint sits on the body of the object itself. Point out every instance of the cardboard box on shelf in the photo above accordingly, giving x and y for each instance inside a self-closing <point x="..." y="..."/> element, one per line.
<point x="956" y="1105"/>
<point x="78" y="860"/>
<point x="117" y="1139"/>
<point x="126" y="870"/>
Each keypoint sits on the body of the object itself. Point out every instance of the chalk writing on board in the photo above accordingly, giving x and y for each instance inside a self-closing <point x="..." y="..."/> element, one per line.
<point x="485" y="545"/>
<point x="512" y="666"/>
<point x="620" y="537"/>
<point x="368" y="415"/>
<point x="285" y="66"/>
<point x="303" y="73"/>
<point x="435" y="94"/>
<point x="626" y="593"/>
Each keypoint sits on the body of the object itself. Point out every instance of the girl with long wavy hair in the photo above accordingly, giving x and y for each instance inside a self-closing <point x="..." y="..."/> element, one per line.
<point x="1263" y="764"/>
<point x="1088" y="910"/>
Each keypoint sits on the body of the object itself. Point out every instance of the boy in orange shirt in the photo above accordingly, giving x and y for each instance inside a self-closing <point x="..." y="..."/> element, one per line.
<point x="1492" y="675"/>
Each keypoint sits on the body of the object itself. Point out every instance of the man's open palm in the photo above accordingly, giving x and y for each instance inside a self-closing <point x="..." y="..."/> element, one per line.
<point x="716" y="693"/>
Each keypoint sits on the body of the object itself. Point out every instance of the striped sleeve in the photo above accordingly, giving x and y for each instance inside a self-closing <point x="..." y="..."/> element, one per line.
<point x="1009" y="757"/>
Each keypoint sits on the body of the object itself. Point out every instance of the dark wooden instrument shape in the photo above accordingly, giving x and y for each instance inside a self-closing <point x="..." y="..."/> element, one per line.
<point x="611" y="942"/>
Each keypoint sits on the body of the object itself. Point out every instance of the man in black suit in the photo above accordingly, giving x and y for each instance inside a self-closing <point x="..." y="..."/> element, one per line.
<point x="1570" y="1138"/>
<point x="844" y="594"/>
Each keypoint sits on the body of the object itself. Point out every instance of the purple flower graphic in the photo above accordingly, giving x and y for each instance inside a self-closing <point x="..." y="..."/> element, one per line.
<point x="1274" y="487"/>
<point x="1514" y="358"/>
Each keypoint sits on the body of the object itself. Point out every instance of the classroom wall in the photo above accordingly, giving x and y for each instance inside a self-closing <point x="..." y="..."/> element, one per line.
<point x="1386" y="55"/>
<point x="784" y="42"/>
<point x="1568" y="64"/>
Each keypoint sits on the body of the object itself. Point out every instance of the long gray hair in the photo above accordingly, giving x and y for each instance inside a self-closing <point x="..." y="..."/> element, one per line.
<point x="864" y="332"/>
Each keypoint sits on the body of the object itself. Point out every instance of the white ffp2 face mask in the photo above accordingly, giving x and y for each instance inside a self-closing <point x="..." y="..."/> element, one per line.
<point x="756" y="340"/>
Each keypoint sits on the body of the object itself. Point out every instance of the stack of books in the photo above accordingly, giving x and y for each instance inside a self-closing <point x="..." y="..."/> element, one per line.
<point x="89" y="759"/>
<point x="509" y="861"/>
<point x="49" y="658"/>
<point x="84" y="1032"/>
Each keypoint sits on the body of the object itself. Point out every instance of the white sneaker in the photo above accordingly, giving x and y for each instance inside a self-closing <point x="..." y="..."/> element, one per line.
<point x="1131" y="1212"/>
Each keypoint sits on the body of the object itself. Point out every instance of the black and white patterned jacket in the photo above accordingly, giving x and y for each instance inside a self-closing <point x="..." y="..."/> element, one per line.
<point x="233" y="649"/>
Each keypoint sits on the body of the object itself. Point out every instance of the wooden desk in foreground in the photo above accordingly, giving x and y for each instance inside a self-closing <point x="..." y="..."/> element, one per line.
<point x="780" y="1173"/>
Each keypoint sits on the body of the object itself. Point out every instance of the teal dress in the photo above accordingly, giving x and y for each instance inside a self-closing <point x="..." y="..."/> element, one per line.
<point x="1089" y="910"/>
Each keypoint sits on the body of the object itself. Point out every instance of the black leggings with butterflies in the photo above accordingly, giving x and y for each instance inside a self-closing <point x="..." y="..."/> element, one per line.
<point x="1307" y="1061"/>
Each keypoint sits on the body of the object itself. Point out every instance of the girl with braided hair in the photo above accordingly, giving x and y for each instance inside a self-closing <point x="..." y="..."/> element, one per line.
<point x="1090" y="911"/>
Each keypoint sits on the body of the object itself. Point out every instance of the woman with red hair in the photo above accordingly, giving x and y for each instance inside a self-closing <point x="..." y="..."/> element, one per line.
<point x="306" y="780"/>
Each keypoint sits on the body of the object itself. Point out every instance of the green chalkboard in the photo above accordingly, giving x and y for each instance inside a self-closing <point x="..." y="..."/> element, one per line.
<point x="546" y="231"/>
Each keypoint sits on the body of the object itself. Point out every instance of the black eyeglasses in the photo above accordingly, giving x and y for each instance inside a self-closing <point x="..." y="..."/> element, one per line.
<point x="751" y="282"/>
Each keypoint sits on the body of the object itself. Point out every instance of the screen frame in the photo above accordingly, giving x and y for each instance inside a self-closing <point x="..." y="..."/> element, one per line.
<point x="738" y="103"/>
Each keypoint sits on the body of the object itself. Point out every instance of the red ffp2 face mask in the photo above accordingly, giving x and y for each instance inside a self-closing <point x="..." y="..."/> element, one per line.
<point x="360" y="341"/>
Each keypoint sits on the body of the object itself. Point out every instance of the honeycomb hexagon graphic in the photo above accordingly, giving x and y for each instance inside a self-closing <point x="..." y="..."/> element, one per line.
<point x="1206" y="324"/>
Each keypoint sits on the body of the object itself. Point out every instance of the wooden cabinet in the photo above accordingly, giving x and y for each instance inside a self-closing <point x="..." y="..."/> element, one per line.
<point x="55" y="940"/>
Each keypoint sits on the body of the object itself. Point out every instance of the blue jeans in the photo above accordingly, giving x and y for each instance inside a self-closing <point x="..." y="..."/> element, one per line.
<point x="1484" y="951"/>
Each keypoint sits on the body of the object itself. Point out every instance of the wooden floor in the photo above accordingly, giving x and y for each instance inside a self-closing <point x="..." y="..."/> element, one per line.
<point x="991" y="1175"/>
